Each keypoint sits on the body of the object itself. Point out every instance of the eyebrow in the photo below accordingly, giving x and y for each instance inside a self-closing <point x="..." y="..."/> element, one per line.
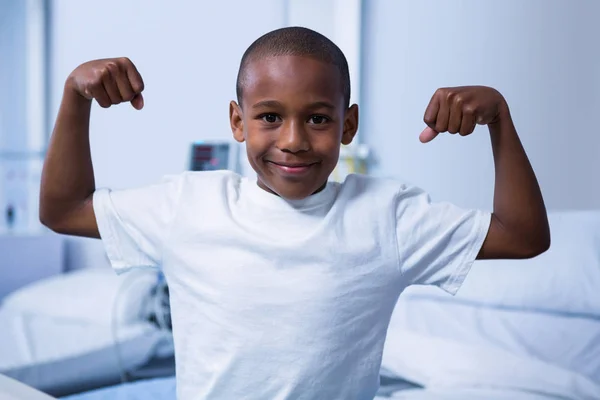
<point x="275" y="104"/>
<point x="267" y="104"/>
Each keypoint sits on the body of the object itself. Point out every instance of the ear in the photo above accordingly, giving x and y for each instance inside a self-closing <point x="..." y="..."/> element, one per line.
<point x="236" y="120"/>
<point x="350" y="124"/>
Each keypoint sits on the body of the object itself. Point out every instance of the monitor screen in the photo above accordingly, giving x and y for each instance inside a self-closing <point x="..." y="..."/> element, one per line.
<point x="212" y="156"/>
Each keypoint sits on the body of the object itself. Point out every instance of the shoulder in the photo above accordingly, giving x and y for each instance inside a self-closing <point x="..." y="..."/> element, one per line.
<point x="207" y="185"/>
<point x="195" y="178"/>
<point x="385" y="193"/>
<point x="376" y="187"/>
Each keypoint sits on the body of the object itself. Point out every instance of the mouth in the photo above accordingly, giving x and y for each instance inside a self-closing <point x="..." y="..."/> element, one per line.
<point x="293" y="168"/>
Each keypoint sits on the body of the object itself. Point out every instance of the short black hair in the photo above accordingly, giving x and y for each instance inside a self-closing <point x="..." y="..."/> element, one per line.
<point x="296" y="41"/>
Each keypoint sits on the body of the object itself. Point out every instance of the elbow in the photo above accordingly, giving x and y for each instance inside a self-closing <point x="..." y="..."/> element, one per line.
<point x="44" y="215"/>
<point x="544" y="238"/>
<point x="545" y="244"/>
<point x="538" y="246"/>
<point x="47" y="220"/>
<point x="54" y="225"/>
<point x="522" y="241"/>
<point x="50" y="218"/>
<point x="45" y="211"/>
<point x="536" y="250"/>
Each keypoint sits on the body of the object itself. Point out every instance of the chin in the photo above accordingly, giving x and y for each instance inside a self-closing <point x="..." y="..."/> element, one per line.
<point x="292" y="193"/>
<point x="291" y="190"/>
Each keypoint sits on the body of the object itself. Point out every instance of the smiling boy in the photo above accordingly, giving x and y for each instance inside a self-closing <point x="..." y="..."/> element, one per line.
<point x="283" y="287"/>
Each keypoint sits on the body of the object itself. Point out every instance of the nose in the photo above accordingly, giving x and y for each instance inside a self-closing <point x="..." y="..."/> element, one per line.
<point x="293" y="138"/>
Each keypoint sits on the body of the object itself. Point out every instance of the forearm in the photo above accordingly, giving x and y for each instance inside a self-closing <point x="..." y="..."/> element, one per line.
<point x="67" y="176"/>
<point x="519" y="208"/>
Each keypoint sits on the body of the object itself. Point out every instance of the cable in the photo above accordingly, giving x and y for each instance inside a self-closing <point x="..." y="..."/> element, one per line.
<point x="114" y="325"/>
<point x="162" y="308"/>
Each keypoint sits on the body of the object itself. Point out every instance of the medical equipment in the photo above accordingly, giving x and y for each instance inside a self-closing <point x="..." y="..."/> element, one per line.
<point x="353" y="160"/>
<point x="160" y="313"/>
<point x="212" y="155"/>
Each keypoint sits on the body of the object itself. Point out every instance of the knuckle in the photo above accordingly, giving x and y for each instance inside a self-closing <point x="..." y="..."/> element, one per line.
<point x="112" y="67"/>
<point x="128" y="96"/>
<point x="469" y="109"/>
<point x="458" y="99"/>
<point x="138" y="86"/>
<point x="103" y="73"/>
<point x="97" y="76"/>
<point x="124" y="61"/>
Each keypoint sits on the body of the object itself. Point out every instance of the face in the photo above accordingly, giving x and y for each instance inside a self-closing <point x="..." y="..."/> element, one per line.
<point x="293" y="120"/>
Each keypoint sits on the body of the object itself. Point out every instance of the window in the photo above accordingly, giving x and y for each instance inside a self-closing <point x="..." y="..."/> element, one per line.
<point x="23" y="123"/>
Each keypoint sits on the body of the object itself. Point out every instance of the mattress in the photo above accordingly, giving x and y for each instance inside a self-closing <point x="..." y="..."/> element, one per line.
<point x="164" y="389"/>
<point x="41" y="351"/>
<point x="568" y="341"/>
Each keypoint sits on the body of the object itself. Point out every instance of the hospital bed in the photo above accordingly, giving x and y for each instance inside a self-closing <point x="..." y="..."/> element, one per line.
<point x="517" y="329"/>
<point x="84" y="330"/>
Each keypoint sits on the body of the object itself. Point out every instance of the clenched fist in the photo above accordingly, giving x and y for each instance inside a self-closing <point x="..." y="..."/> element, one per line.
<point x="110" y="81"/>
<point x="459" y="109"/>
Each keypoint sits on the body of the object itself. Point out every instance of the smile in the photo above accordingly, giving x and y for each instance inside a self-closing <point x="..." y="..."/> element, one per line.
<point x="292" y="168"/>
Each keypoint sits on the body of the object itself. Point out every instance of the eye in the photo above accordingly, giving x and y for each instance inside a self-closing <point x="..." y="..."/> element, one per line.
<point x="318" y="119"/>
<point x="269" y="118"/>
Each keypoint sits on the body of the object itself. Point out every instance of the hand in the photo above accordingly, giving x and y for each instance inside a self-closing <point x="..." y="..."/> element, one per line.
<point x="109" y="81"/>
<point x="459" y="109"/>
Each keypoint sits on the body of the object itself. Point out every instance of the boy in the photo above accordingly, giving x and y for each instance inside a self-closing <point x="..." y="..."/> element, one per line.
<point x="283" y="288"/>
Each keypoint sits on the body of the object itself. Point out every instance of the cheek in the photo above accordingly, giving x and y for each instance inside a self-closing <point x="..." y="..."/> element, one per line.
<point x="327" y="143"/>
<point x="257" y="143"/>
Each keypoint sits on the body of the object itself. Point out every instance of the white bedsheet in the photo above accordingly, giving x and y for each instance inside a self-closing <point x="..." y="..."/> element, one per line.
<point x="164" y="389"/>
<point x="463" y="394"/>
<point x="568" y="341"/>
<point x="440" y="364"/>
<point x="54" y="354"/>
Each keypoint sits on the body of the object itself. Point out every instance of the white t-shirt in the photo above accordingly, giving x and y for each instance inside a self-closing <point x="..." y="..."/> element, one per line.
<point x="277" y="299"/>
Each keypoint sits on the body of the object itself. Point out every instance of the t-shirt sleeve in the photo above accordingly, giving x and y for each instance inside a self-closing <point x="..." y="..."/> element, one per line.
<point x="134" y="223"/>
<point x="437" y="242"/>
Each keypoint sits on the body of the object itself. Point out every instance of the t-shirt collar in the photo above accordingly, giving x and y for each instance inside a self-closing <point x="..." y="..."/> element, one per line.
<point x="259" y="196"/>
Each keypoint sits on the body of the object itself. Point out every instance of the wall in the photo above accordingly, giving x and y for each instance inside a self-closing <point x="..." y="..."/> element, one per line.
<point x="542" y="55"/>
<point x="340" y="21"/>
<point x="13" y="112"/>
<point x="188" y="53"/>
<point x="12" y="76"/>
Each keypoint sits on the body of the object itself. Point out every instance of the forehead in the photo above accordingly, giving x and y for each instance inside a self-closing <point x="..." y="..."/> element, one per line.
<point x="292" y="80"/>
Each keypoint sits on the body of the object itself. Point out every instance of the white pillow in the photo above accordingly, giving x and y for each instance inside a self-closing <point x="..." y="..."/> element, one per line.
<point x="91" y="295"/>
<point x="568" y="342"/>
<point x="443" y="363"/>
<point x="565" y="279"/>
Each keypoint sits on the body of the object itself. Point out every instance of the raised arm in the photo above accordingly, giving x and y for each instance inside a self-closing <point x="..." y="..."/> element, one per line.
<point x="519" y="226"/>
<point x="68" y="183"/>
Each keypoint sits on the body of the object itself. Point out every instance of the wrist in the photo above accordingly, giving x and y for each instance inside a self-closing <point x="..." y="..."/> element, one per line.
<point x="72" y="95"/>
<point x="502" y="118"/>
